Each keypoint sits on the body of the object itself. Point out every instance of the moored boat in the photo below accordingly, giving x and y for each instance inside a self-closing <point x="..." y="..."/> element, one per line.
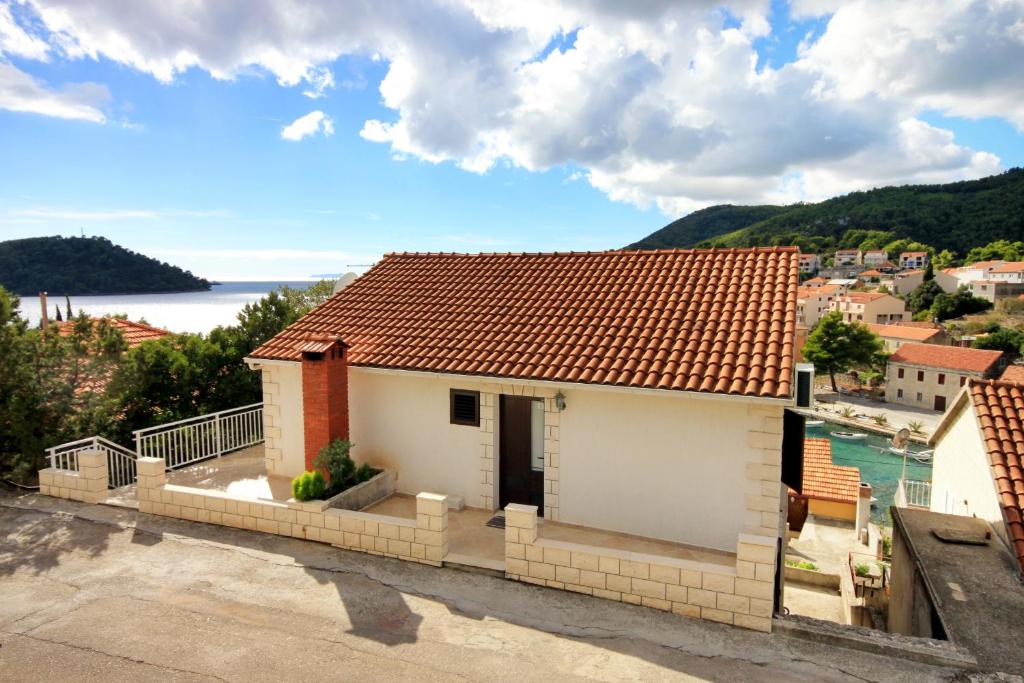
<point x="813" y="423"/>
<point x="849" y="435"/>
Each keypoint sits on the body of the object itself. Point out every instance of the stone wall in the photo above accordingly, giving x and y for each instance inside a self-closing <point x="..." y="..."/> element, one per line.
<point x="740" y="595"/>
<point x="424" y="539"/>
<point x="88" y="484"/>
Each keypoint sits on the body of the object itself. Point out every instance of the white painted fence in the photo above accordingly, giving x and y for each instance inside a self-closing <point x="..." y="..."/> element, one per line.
<point x="179" y="443"/>
<point x="120" y="460"/>
<point x="197" y="438"/>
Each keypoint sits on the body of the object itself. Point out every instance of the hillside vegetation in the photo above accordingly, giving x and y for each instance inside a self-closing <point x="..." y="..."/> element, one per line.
<point x="87" y="265"/>
<point x="954" y="216"/>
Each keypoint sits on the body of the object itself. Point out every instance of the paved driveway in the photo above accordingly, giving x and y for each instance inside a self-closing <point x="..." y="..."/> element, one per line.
<point x="108" y="594"/>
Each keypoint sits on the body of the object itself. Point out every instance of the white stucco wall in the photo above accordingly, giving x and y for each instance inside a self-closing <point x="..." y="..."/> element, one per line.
<point x="665" y="467"/>
<point x="962" y="481"/>
<point x="401" y="421"/>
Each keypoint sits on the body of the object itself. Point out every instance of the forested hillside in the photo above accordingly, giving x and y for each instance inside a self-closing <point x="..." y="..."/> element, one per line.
<point x="955" y="216"/>
<point x="87" y="265"/>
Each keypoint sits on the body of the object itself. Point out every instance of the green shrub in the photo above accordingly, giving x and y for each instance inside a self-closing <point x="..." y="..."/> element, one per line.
<point x="802" y="564"/>
<point x="309" y="486"/>
<point x="861" y="569"/>
<point x="334" y="459"/>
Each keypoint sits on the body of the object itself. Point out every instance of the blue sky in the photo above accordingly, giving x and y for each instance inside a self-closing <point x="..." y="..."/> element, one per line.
<point x="192" y="167"/>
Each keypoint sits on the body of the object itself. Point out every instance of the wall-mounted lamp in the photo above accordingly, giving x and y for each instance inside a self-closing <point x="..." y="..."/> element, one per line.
<point x="560" y="401"/>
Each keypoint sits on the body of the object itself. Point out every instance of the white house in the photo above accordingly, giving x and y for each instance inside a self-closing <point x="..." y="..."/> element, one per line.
<point x="977" y="467"/>
<point x="875" y="257"/>
<point x="913" y="259"/>
<point x="809" y="263"/>
<point x="640" y="392"/>
<point x="1012" y="271"/>
<point x="848" y="257"/>
<point x="980" y="270"/>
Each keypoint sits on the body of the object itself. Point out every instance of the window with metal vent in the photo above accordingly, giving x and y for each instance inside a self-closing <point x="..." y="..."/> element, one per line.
<point x="465" y="407"/>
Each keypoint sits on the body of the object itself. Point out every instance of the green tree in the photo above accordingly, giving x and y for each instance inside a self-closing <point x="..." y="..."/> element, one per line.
<point x="834" y="346"/>
<point x="897" y="247"/>
<point x="929" y="273"/>
<point x="1002" y="339"/>
<point x="957" y="304"/>
<point x="944" y="259"/>
<point x="923" y="296"/>
<point x="999" y="250"/>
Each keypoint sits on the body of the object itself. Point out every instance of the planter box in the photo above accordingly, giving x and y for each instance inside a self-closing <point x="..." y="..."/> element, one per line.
<point x="361" y="496"/>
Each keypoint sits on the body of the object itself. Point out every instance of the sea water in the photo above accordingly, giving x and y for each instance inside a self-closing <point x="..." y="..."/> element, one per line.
<point x="183" y="312"/>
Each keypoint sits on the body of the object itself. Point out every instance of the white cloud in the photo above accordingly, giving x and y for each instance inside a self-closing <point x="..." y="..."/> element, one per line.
<point x="21" y="92"/>
<point x="656" y="103"/>
<point x="312" y="123"/>
<point x="14" y="40"/>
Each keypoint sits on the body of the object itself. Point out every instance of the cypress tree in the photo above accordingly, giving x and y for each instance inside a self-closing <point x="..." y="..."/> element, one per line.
<point x="67" y="309"/>
<point x="56" y="309"/>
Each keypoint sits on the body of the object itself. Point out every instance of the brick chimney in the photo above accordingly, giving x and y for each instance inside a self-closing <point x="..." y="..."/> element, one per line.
<point x="324" y="394"/>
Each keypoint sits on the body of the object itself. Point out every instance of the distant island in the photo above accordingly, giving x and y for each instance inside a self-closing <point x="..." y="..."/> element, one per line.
<point x="954" y="216"/>
<point x="87" y="266"/>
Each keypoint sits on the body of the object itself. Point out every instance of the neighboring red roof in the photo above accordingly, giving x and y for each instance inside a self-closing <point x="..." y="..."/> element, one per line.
<point x="718" y="320"/>
<point x="903" y="331"/>
<point x="1010" y="267"/>
<point x="134" y="332"/>
<point x="1000" y="410"/>
<point x="824" y="480"/>
<point x="870" y="273"/>
<point x="876" y="251"/>
<point x="946" y="357"/>
<point x="983" y="265"/>
<point x="1013" y="373"/>
<point x="808" y="257"/>
<point x="913" y="254"/>
<point x="816" y="281"/>
<point x="925" y="324"/>
<point x="862" y="297"/>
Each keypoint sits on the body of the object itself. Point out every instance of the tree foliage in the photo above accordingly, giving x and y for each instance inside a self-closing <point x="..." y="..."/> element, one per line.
<point x="55" y="388"/>
<point x="999" y="250"/>
<point x="1002" y="339"/>
<point x="923" y="296"/>
<point x="88" y="265"/>
<point x="957" y="304"/>
<point x="834" y="346"/>
<point x="954" y="216"/>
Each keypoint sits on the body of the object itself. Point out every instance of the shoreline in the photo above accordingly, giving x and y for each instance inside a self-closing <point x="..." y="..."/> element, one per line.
<point x="853" y="422"/>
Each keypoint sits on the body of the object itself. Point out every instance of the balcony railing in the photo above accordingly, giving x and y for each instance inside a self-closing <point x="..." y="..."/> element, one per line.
<point x="913" y="494"/>
<point x="206" y="436"/>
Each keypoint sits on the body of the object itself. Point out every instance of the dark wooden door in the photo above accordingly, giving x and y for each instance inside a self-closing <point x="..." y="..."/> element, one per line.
<point x="518" y="481"/>
<point x="940" y="403"/>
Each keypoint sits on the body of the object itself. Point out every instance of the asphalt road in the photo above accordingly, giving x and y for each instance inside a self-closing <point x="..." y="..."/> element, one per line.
<point x="97" y="593"/>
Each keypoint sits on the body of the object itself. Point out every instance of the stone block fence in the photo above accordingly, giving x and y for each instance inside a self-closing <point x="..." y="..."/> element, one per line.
<point x="740" y="595"/>
<point x="424" y="539"/>
<point x="88" y="483"/>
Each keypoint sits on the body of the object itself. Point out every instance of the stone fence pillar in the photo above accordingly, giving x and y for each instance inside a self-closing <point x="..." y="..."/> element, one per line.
<point x="88" y="484"/>
<point x="432" y="526"/>
<point x="151" y="476"/>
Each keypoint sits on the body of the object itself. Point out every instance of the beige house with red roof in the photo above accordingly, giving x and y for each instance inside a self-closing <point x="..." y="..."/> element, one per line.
<point x="978" y="467"/>
<point x="829" y="491"/>
<point x="914" y="259"/>
<point x="809" y="263"/>
<point x="639" y="392"/>
<point x="870" y="307"/>
<point x="814" y="302"/>
<point x="930" y="376"/>
<point x="875" y="257"/>
<point x="895" y="336"/>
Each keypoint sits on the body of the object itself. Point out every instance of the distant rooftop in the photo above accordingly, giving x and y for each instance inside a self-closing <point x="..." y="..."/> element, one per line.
<point x="946" y="357"/>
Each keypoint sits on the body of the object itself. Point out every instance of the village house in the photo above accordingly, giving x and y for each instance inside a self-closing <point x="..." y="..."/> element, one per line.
<point x="1013" y="373"/>
<point x="906" y="281"/>
<point x="869" y="307"/>
<point x="996" y="291"/>
<point x="870" y="276"/>
<point x="809" y="263"/>
<point x="814" y="302"/>
<point x="930" y="376"/>
<point x="914" y="259"/>
<point x="895" y="336"/>
<point x="582" y="389"/>
<point x="875" y="257"/>
<point x="979" y="270"/>
<point x="848" y="257"/>
<point x="815" y="282"/>
<point x="830" y="491"/>
<point x="1011" y="271"/>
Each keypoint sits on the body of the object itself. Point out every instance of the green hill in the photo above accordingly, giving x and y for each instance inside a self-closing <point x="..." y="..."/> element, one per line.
<point x="87" y="265"/>
<point x="955" y="216"/>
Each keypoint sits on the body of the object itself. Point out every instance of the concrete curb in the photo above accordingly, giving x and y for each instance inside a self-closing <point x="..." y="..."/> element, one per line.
<point x="922" y="650"/>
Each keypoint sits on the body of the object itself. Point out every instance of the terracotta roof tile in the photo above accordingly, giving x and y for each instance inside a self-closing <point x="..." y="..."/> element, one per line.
<point x="999" y="407"/>
<point x="824" y="480"/>
<point x="948" y="357"/>
<point x="903" y="331"/>
<point x="862" y="297"/>
<point x="1013" y="373"/>
<point x="719" y="320"/>
<point x="134" y="332"/>
<point x="1009" y="267"/>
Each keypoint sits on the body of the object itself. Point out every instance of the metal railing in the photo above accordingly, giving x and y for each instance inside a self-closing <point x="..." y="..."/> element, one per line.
<point x="911" y="493"/>
<point x="187" y="441"/>
<point x="120" y="460"/>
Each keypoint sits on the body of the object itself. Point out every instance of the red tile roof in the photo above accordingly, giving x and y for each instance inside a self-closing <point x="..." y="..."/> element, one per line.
<point x="946" y="357"/>
<point x="862" y="297"/>
<point x="1013" y="373"/>
<point x="1009" y="267"/>
<point x="720" y="320"/>
<point x="134" y="332"/>
<point x="903" y="331"/>
<point x="913" y="254"/>
<point x="1000" y="410"/>
<point x="824" y="480"/>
